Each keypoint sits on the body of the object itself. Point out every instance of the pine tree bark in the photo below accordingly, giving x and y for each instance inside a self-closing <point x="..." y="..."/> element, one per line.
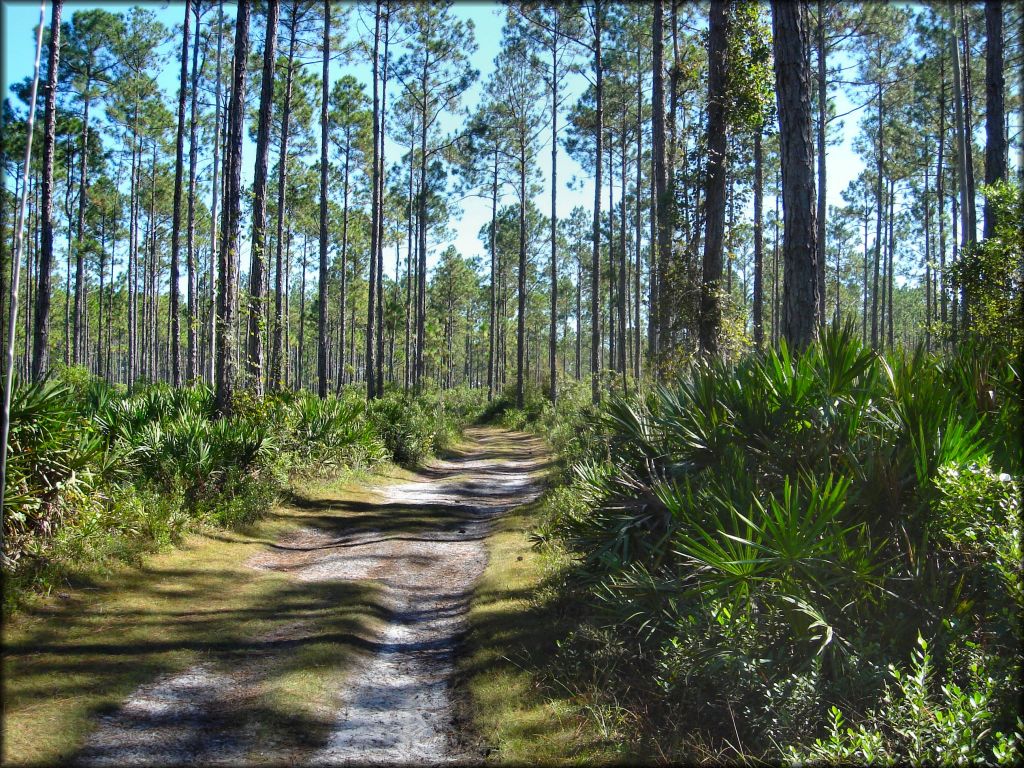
<point x="968" y="100"/>
<point x="174" y="298"/>
<point x="962" y="148"/>
<point x="258" y="260"/>
<point x="821" y="188"/>
<point x="879" y="210"/>
<point x="800" y="290"/>
<point x="638" y="221"/>
<point x="553" y="325"/>
<point x="321" y="329"/>
<point x="231" y="219"/>
<point x="623" y="282"/>
<point x="214" y="207"/>
<point x="381" y="179"/>
<point x="343" y="289"/>
<point x="278" y="361"/>
<point x="83" y="181"/>
<point x="191" y="359"/>
<point x="493" y="247"/>
<point x="658" y="240"/>
<point x="940" y="193"/>
<point x="595" y="276"/>
<point x="521" y="313"/>
<point x="715" y="196"/>
<point x="371" y="313"/>
<point x="758" y="240"/>
<point x="41" y="336"/>
<point x="995" y="106"/>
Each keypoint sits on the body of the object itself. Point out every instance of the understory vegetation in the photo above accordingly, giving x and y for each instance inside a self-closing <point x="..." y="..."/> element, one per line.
<point x="796" y="558"/>
<point x="97" y="476"/>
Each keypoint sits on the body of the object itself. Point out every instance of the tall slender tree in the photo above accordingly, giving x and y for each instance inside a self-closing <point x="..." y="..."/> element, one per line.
<point x="41" y="340"/>
<point x="227" y="282"/>
<point x="258" y="249"/>
<point x="179" y="171"/>
<point x="791" y="40"/>
<point x="715" y="197"/>
<point x="321" y="355"/>
<point x="995" y="106"/>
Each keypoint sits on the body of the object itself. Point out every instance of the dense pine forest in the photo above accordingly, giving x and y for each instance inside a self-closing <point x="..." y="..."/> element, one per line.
<point x="252" y="248"/>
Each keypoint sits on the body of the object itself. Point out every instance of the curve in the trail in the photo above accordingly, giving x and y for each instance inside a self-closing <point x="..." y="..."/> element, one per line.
<point x="396" y="703"/>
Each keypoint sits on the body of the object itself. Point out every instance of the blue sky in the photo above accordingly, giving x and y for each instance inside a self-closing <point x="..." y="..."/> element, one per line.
<point x="19" y="18"/>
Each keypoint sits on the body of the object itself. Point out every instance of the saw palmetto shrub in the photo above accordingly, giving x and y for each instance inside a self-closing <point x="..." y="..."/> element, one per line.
<point x="770" y="538"/>
<point x="97" y="475"/>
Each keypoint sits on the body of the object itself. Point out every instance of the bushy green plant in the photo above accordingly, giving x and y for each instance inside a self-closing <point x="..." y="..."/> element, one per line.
<point x="921" y="723"/>
<point x="97" y="474"/>
<point x="413" y="428"/>
<point x="54" y="464"/>
<point x="330" y="433"/>
<point x="786" y="524"/>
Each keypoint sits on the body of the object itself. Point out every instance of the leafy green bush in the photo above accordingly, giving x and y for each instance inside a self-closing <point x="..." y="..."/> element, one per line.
<point x="54" y="464"/>
<point x="991" y="273"/>
<point x="414" y="428"/>
<point x="917" y="724"/>
<point x="775" y="532"/>
<point x="96" y="474"/>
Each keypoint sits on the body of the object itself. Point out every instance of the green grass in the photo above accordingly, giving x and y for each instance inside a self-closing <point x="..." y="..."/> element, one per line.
<point x="516" y="712"/>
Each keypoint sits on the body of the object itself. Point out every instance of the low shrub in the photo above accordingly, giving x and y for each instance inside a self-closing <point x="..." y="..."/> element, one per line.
<point x="769" y="536"/>
<point x="97" y="475"/>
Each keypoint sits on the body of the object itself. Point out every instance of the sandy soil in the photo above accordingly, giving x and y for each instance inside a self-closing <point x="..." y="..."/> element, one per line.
<point x="396" y="704"/>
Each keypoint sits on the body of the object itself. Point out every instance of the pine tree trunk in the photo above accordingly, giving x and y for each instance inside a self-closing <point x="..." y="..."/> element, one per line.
<point x="638" y="223"/>
<point x="521" y="313"/>
<point x="822" y="124"/>
<point x="879" y="209"/>
<point x="962" y="148"/>
<point x="995" y="106"/>
<point x="300" y="359"/>
<point x="231" y="219"/>
<point x="800" y="290"/>
<point x="714" y="206"/>
<point x="191" y="361"/>
<point x="891" y="257"/>
<point x="133" y="262"/>
<point x="41" y="339"/>
<point x="277" y="359"/>
<point x="758" y="240"/>
<point x="258" y="261"/>
<point x="76" y="349"/>
<point x="321" y="346"/>
<point x="371" y="313"/>
<point x="972" y="216"/>
<point x="494" y="278"/>
<point x="343" y="290"/>
<point x="622" y="298"/>
<point x="215" y="213"/>
<point x="595" y="277"/>
<point x="940" y="179"/>
<point x="407" y="372"/>
<point x="553" y="326"/>
<point x="174" y="298"/>
<point x="381" y="179"/>
<point x="421" y="270"/>
<point x="929" y="299"/>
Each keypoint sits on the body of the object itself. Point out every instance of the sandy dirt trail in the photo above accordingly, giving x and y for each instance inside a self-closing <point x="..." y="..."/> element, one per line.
<point x="396" y="704"/>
